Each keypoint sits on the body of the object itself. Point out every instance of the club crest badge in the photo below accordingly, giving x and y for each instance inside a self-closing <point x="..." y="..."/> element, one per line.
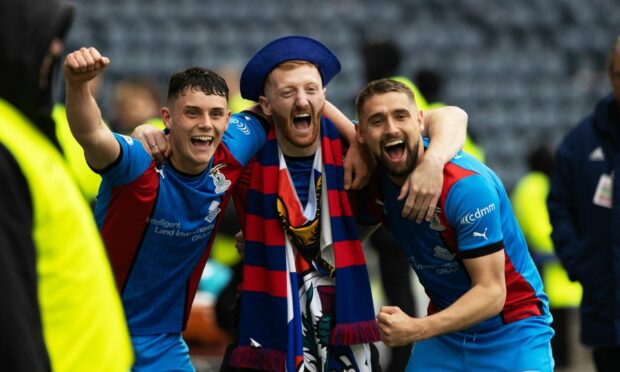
<point x="219" y="180"/>
<point x="435" y="223"/>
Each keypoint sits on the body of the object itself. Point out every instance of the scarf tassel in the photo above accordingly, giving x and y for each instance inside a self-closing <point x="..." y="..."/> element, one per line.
<point x="355" y="333"/>
<point x="257" y="358"/>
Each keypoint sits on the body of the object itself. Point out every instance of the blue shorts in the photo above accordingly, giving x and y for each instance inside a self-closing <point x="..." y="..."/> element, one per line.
<point x="524" y="345"/>
<point x="161" y="352"/>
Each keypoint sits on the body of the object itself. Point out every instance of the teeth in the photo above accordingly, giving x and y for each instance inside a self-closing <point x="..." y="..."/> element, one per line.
<point x="208" y="139"/>
<point x="302" y="116"/>
<point x="394" y="143"/>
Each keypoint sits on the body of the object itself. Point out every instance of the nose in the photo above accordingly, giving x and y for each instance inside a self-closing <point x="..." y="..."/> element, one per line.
<point x="302" y="100"/>
<point x="206" y="122"/>
<point x="390" y="125"/>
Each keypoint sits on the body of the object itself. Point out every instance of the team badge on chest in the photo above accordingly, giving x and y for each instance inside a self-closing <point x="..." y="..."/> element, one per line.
<point x="435" y="223"/>
<point x="219" y="180"/>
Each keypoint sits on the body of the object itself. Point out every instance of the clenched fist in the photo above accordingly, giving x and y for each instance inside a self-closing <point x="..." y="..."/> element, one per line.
<point x="83" y="65"/>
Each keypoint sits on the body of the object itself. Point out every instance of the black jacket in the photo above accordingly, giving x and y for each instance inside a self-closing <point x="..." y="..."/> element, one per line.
<point x="586" y="236"/>
<point x="27" y="28"/>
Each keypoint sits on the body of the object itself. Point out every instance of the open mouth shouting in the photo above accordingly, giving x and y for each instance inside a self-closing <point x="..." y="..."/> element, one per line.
<point x="302" y="122"/>
<point x="395" y="149"/>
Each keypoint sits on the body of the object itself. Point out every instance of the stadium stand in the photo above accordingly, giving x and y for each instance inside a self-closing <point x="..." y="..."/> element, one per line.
<point x="522" y="70"/>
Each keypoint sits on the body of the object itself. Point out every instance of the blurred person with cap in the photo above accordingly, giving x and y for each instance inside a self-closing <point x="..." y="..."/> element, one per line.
<point x="583" y="207"/>
<point x="299" y="232"/>
<point x="62" y="311"/>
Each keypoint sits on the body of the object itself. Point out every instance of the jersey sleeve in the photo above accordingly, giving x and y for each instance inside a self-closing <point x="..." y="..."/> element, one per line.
<point x="245" y="136"/>
<point x="132" y="161"/>
<point x="473" y="209"/>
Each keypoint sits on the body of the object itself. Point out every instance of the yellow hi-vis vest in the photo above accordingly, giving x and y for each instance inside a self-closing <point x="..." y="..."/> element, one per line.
<point x="530" y="208"/>
<point x="87" y="180"/>
<point x="419" y="98"/>
<point x="470" y="146"/>
<point x="82" y="317"/>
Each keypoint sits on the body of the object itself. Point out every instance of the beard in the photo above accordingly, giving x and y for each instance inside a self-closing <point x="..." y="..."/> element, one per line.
<point x="401" y="170"/>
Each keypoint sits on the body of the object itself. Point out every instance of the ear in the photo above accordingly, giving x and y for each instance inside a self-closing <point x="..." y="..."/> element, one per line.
<point x="421" y="120"/>
<point x="264" y="105"/>
<point x="359" y="133"/>
<point x="166" y="117"/>
<point x="227" y="120"/>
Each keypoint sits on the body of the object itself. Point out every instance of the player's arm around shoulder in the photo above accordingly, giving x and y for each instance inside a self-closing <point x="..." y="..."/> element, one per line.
<point x="358" y="163"/>
<point x="83" y="113"/>
<point x="246" y="134"/>
<point x="447" y="129"/>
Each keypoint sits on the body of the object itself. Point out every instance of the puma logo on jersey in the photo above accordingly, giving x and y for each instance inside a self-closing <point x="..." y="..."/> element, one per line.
<point x="482" y="234"/>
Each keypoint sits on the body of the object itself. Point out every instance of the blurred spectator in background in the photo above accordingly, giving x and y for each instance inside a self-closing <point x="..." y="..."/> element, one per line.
<point x="585" y="215"/>
<point x="61" y="310"/>
<point x="381" y="59"/>
<point x="136" y="101"/>
<point x="529" y="202"/>
<point x="430" y="85"/>
<point x="236" y="103"/>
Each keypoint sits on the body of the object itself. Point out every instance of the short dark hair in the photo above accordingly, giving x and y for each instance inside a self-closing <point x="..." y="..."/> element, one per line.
<point x="197" y="78"/>
<point x="380" y="86"/>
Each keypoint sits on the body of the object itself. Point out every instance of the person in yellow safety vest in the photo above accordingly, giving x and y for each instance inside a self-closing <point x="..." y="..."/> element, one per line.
<point x="429" y="84"/>
<point x="529" y="202"/>
<point x="61" y="310"/>
<point x="86" y="180"/>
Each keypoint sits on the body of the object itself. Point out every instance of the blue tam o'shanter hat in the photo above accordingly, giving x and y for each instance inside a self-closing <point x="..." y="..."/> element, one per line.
<point x="281" y="50"/>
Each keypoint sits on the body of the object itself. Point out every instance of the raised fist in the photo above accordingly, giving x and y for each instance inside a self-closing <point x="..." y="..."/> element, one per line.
<point x="84" y="64"/>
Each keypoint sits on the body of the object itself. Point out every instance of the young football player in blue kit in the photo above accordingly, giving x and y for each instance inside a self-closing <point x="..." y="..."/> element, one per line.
<point x="158" y="221"/>
<point x="487" y="307"/>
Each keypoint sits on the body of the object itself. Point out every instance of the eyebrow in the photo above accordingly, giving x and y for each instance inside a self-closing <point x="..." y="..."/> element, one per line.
<point x="376" y="115"/>
<point x="192" y="107"/>
<point x="401" y="111"/>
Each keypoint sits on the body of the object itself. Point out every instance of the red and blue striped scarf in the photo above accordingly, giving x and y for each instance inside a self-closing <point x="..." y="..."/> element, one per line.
<point x="270" y="332"/>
